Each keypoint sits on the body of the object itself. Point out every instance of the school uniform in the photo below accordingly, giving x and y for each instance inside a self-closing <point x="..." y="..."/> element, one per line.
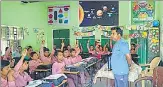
<point x="45" y="59"/>
<point x="57" y="69"/>
<point x="33" y="64"/>
<point x="21" y="79"/>
<point x="5" y="83"/>
<point x="6" y="56"/>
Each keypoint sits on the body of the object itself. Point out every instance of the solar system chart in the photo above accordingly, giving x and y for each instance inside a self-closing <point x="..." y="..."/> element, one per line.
<point x="58" y="14"/>
<point x="105" y="13"/>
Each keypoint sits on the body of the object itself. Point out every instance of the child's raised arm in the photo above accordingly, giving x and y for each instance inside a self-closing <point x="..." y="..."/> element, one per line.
<point x="62" y="45"/>
<point x="41" y="50"/>
<point x="19" y="64"/>
<point x="88" y="46"/>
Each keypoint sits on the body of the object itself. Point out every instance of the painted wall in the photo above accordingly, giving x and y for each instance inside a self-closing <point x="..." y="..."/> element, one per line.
<point x="25" y="15"/>
<point x="34" y="15"/>
<point x="160" y="17"/>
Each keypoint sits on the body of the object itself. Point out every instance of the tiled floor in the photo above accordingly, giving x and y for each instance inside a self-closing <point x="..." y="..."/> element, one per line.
<point x="103" y="83"/>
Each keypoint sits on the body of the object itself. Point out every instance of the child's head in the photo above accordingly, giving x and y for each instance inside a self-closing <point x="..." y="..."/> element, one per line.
<point x="10" y="54"/>
<point x="68" y="47"/>
<point x="6" y="48"/>
<point x="133" y="46"/>
<point x="34" y="55"/>
<point x="91" y="48"/>
<point x="73" y="52"/>
<point x="100" y="47"/>
<point x="25" y="65"/>
<point x="97" y="42"/>
<point x="60" y="55"/>
<point x="46" y="52"/>
<point x="29" y="50"/>
<point x="5" y="67"/>
<point x="66" y="53"/>
<point x="106" y="49"/>
<point x="19" y="48"/>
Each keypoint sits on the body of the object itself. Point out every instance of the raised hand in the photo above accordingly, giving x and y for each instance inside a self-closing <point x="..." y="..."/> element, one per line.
<point x="43" y="41"/>
<point x="24" y="53"/>
<point x="63" y="44"/>
<point x="88" y="41"/>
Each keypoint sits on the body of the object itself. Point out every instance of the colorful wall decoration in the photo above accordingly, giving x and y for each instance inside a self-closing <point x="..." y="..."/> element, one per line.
<point x="40" y="34"/>
<point x="142" y="11"/>
<point x="105" y="13"/>
<point x="59" y="14"/>
<point x="84" y="31"/>
<point x="154" y="43"/>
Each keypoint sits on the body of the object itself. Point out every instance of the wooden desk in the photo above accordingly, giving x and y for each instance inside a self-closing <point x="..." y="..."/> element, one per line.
<point x="41" y="73"/>
<point x="68" y="72"/>
<point x="42" y="70"/>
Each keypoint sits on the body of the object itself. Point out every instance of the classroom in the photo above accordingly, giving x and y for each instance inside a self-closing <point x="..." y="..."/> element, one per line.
<point x="81" y="43"/>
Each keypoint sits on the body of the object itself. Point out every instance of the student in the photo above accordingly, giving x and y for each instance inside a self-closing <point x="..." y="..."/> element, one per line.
<point x="29" y="50"/>
<point x="35" y="62"/>
<point x="59" y="68"/>
<point x="134" y="54"/>
<point x="90" y="48"/>
<point x="67" y="58"/>
<point x="22" y="77"/>
<point x="17" y="52"/>
<point x="75" y="57"/>
<point x="45" y="57"/>
<point x="134" y="48"/>
<point x="8" y="54"/>
<point x="7" y="79"/>
<point x="69" y="47"/>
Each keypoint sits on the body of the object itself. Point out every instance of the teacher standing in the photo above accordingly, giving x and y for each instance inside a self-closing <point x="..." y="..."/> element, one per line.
<point x="120" y="59"/>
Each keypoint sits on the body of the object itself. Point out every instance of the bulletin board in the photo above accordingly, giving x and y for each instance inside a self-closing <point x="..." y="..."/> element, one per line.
<point x="105" y="13"/>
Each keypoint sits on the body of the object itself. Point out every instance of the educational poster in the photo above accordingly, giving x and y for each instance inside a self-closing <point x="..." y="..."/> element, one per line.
<point x="153" y="43"/>
<point x="142" y="11"/>
<point x="105" y="13"/>
<point x="80" y="32"/>
<point x="59" y="14"/>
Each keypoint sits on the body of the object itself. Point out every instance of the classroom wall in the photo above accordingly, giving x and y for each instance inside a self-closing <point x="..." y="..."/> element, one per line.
<point x="34" y="15"/>
<point x="160" y="17"/>
<point x="25" y="15"/>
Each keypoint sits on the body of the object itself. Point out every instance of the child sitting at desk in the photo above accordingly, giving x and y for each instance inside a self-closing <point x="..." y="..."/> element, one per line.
<point x="8" y="54"/>
<point x="90" y="49"/>
<point x="22" y="77"/>
<point x="67" y="59"/>
<point x="59" y="68"/>
<point x="35" y="62"/>
<point x="75" y="57"/>
<point x="7" y="79"/>
<point x="44" y="54"/>
<point x="29" y="50"/>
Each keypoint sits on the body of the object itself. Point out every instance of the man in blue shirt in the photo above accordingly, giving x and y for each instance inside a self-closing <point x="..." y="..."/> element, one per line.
<point x="120" y="59"/>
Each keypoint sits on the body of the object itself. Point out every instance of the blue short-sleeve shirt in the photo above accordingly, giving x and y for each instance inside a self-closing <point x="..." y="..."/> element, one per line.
<point x="118" y="59"/>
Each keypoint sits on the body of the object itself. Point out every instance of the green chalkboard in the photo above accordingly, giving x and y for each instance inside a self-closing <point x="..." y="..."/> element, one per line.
<point x="83" y="41"/>
<point x="59" y="35"/>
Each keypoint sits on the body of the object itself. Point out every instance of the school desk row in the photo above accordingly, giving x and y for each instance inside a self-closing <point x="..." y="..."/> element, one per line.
<point x="90" y="65"/>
